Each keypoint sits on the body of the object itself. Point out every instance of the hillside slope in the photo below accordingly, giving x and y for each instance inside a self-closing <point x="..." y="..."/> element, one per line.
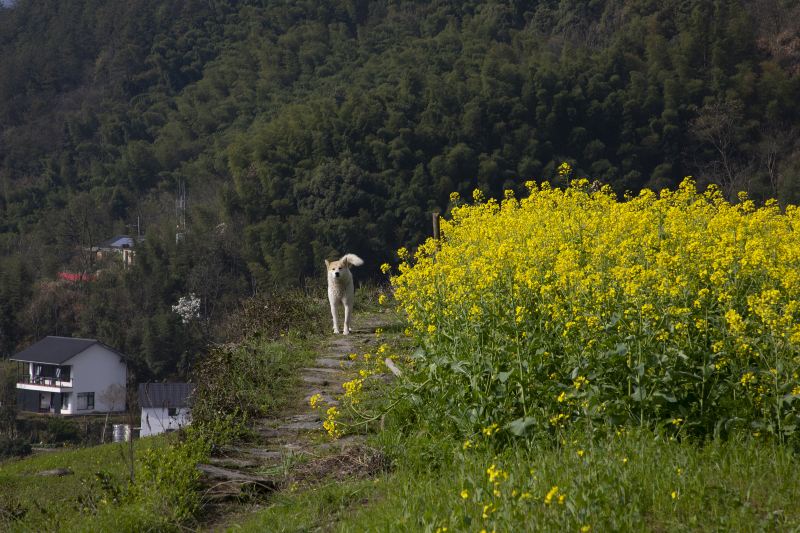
<point x="303" y="130"/>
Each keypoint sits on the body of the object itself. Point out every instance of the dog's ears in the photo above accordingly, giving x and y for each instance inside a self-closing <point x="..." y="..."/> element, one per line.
<point x="345" y="262"/>
<point x="327" y="263"/>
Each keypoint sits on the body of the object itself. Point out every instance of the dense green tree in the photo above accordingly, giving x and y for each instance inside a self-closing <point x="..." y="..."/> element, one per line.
<point x="303" y="130"/>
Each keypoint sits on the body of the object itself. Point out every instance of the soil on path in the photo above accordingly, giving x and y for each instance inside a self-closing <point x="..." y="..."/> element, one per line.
<point x="292" y="447"/>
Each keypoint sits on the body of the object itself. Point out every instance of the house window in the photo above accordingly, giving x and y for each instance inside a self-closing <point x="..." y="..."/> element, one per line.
<point x="172" y="411"/>
<point x="64" y="401"/>
<point x="85" y="401"/>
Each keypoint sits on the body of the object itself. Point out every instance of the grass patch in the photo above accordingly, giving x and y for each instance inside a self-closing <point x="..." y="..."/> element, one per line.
<point x="311" y="508"/>
<point x="34" y="503"/>
<point x="624" y="482"/>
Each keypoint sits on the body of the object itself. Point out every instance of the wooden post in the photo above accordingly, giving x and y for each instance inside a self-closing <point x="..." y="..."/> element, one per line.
<point x="435" y="217"/>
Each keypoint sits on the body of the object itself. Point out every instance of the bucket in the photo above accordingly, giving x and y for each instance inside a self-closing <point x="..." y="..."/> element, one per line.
<point x="121" y="433"/>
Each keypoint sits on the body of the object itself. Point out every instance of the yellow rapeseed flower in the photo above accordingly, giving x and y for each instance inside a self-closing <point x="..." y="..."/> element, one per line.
<point x="329" y="424"/>
<point x="747" y="378"/>
<point x="548" y="498"/>
<point x="314" y="400"/>
<point x="495" y="473"/>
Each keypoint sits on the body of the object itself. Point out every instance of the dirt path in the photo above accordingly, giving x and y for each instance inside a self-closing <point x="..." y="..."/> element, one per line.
<point x="292" y="447"/>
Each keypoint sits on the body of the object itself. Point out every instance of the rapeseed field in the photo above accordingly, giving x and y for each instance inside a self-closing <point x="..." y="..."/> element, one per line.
<point x="675" y="310"/>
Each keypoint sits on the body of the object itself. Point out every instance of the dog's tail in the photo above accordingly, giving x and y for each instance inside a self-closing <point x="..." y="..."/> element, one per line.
<point x="352" y="259"/>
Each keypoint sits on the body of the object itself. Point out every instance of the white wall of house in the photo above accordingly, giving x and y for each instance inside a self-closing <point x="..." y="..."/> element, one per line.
<point x="156" y="420"/>
<point x="100" y="371"/>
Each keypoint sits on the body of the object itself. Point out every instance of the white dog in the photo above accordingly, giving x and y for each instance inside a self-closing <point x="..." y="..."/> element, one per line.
<point x="340" y="288"/>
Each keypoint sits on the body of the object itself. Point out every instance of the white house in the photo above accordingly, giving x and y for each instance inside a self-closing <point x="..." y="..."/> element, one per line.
<point x="69" y="376"/>
<point x="165" y="407"/>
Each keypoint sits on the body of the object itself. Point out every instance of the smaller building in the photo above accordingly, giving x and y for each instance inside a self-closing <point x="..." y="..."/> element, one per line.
<point x="165" y="407"/>
<point x="121" y="245"/>
<point x="65" y="375"/>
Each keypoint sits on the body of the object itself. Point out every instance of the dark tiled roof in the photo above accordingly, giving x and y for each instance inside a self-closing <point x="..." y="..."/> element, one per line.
<point x="54" y="350"/>
<point x="119" y="242"/>
<point x="165" y="394"/>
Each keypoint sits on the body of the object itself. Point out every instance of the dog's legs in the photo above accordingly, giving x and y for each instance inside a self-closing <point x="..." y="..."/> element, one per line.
<point x="335" y="318"/>
<point x="347" y="304"/>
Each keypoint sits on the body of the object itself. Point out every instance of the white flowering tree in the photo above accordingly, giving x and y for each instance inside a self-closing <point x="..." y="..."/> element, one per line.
<point x="188" y="307"/>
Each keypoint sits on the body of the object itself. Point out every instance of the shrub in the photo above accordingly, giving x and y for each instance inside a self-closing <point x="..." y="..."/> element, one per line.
<point x="677" y="310"/>
<point x="272" y="314"/>
<point x="11" y="447"/>
<point x="61" y="430"/>
<point x="169" y="479"/>
<point x="250" y="375"/>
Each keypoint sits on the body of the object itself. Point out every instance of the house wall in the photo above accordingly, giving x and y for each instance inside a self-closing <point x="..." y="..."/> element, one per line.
<point x="101" y="371"/>
<point x="156" y="420"/>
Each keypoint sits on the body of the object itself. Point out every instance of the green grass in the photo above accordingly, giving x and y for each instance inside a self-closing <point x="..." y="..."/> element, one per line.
<point x="54" y="503"/>
<point x="310" y="509"/>
<point x="628" y="482"/>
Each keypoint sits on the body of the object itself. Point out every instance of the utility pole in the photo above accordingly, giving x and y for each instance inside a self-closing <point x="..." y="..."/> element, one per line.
<point x="435" y="219"/>
<point x="180" y="212"/>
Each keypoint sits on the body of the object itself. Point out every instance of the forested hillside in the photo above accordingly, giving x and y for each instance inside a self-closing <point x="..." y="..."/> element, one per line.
<point x="306" y="129"/>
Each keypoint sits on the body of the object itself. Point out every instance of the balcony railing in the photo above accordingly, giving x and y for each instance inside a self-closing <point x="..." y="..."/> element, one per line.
<point x="46" y="381"/>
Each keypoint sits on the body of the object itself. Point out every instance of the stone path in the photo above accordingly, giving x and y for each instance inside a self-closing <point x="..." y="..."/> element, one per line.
<point x="287" y="446"/>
